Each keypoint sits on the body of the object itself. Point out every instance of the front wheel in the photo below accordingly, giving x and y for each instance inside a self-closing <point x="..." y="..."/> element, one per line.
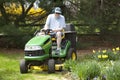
<point x="51" y="66"/>
<point x="71" y="54"/>
<point x="23" y="66"/>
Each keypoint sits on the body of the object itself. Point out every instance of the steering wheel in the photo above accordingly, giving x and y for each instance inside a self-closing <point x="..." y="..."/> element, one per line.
<point x="47" y="31"/>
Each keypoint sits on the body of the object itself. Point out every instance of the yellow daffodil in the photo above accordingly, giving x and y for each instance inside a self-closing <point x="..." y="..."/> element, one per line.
<point x="99" y="56"/>
<point x="99" y="51"/>
<point x="104" y="56"/>
<point x="104" y="51"/>
<point x="117" y="48"/>
<point x="94" y="51"/>
<point x="113" y="49"/>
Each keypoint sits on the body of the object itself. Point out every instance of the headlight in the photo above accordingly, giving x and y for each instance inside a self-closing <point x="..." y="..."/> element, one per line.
<point x="34" y="47"/>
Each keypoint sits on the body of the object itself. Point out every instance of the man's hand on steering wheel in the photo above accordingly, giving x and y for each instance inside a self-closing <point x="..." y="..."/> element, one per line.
<point x="57" y="30"/>
<point x="47" y="31"/>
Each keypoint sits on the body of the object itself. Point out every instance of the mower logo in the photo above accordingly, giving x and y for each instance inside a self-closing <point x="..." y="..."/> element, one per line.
<point x="31" y="47"/>
<point x="30" y="54"/>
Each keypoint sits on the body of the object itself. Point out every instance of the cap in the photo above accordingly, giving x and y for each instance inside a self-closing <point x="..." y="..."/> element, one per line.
<point x="58" y="10"/>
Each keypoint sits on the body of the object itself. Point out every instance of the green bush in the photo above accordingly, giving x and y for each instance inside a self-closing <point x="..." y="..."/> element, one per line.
<point x="85" y="69"/>
<point x="113" y="72"/>
<point x="93" y="69"/>
<point x="70" y="64"/>
<point x="15" y="37"/>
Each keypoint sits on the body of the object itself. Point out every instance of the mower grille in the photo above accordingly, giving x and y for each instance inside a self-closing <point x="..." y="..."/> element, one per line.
<point x="34" y="53"/>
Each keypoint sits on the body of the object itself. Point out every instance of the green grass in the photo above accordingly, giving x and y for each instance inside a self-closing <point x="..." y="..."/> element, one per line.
<point x="9" y="69"/>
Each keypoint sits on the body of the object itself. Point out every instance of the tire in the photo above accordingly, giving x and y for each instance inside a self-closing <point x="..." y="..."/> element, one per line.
<point x="71" y="54"/>
<point x="51" y="66"/>
<point x="23" y="66"/>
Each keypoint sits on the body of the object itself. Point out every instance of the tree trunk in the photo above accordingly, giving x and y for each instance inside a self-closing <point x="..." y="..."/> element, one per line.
<point x="21" y="18"/>
<point x="4" y="14"/>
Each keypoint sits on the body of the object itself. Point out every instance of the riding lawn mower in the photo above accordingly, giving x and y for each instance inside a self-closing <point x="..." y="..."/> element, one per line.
<point x="40" y="51"/>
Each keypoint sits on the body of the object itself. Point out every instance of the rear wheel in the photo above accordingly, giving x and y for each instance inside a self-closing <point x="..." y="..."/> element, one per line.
<point x="23" y="66"/>
<point x="51" y="66"/>
<point x="71" y="54"/>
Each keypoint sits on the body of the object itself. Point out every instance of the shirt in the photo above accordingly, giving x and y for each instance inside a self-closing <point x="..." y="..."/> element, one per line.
<point x="55" y="23"/>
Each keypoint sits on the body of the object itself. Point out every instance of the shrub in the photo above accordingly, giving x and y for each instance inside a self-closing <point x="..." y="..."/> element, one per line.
<point x="93" y="69"/>
<point x="113" y="72"/>
<point x="15" y="37"/>
<point x="70" y="64"/>
<point x="85" y="69"/>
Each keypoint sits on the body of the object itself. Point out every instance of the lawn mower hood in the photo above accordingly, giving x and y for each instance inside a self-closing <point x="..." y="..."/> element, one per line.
<point x="38" y="43"/>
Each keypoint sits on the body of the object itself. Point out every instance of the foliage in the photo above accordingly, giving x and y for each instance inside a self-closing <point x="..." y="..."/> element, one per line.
<point x="24" y="12"/>
<point x="15" y="37"/>
<point x="107" y="54"/>
<point x="97" y="15"/>
<point x="100" y="15"/>
<point x="113" y="72"/>
<point x="92" y="69"/>
<point x="17" y="17"/>
<point x="16" y="9"/>
<point x="103" y="14"/>
<point x="84" y="70"/>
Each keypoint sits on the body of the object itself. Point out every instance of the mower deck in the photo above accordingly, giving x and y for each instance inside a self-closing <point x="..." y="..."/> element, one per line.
<point x="58" y="67"/>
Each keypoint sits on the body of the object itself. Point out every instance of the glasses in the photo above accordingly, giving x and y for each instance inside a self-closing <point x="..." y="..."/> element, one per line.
<point x="57" y="13"/>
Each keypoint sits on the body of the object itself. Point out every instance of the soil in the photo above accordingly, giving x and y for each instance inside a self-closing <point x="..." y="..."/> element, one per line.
<point x="79" y="52"/>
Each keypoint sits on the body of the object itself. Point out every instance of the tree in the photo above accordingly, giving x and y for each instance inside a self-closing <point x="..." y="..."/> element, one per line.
<point x="24" y="18"/>
<point x="104" y="14"/>
<point x="101" y="14"/>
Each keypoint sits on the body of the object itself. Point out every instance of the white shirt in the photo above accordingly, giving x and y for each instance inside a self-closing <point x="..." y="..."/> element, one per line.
<point x="55" y="23"/>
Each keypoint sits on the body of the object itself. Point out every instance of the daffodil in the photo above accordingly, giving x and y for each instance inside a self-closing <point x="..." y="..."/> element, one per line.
<point x="104" y="51"/>
<point x="94" y="51"/>
<point x="113" y="49"/>
<point x="104" y="56"/>
<point x="99" y="56"/>
<point x="99" y="51"/>
<point x="117" y="48"/>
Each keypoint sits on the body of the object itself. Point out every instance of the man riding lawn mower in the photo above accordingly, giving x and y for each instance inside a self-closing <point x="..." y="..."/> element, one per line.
<point x="50" y="47"/>
<point x="40" y="51"/>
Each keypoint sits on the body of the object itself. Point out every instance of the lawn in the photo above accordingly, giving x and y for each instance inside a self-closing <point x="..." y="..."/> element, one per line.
<point x="9" y="69"/>
<point x="100" y="64"/>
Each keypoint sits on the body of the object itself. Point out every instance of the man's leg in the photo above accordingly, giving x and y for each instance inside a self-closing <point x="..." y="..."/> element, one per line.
<point x="59" y="38"/>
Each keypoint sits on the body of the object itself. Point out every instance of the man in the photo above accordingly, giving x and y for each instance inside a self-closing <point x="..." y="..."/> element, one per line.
<point x="56" y="22"/>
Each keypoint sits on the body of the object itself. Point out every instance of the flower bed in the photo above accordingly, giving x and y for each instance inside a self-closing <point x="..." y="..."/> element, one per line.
<point x="101" y="65"/>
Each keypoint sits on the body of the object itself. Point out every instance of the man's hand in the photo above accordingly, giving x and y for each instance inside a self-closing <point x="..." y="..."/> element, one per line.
<point x="57" y="30"/>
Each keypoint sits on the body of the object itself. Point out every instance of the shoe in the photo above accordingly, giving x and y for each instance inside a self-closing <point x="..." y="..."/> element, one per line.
<point x="57" y="52"/>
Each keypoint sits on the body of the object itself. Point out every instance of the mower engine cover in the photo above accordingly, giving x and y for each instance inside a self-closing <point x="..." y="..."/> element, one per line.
<point x="38" y="48"/>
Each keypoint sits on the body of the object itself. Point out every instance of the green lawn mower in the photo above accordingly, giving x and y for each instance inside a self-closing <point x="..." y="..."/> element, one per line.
<point x="40" y="51"/>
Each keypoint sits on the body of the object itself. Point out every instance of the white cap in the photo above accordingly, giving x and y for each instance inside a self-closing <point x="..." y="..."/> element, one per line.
<point x="58" y="10"/>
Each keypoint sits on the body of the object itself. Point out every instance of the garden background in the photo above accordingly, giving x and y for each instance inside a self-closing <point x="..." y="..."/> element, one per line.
<point x="97" y="23"/>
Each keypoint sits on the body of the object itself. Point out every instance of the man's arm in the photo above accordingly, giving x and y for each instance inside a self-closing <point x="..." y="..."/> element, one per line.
<point x="47" y="24"/>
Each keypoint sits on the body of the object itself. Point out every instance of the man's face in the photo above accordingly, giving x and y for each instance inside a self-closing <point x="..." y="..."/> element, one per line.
<point x="57" y="15"/>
